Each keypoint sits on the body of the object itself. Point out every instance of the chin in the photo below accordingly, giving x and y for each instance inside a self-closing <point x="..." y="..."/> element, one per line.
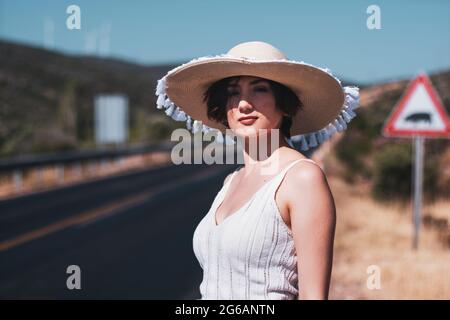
<point x="249" y="131"/>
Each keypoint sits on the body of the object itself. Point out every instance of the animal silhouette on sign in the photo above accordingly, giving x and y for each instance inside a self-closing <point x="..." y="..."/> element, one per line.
<point x="419" y="116"/>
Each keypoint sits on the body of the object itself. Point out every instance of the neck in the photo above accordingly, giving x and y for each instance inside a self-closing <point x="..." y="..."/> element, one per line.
<point x="261" y="152"/>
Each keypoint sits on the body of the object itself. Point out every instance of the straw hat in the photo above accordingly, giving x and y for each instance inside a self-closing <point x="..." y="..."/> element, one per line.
<point x="327" y="106"/>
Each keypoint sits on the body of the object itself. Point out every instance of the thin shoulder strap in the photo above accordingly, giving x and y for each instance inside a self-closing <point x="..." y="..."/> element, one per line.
<point x="281" y="175"/>
<point x="293" y="163"/>
<point x="225" y="187"/>
<point x="224" y="190"/>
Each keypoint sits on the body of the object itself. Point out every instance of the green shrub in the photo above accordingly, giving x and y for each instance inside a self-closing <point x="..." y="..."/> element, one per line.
<point x="393" y="176"/>
<point x="392" y="172"/>
<point x="354" y="145"/>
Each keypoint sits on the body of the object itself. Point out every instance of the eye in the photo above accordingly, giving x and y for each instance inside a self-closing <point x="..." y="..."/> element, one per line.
<point x="232" y="92"/>
<point x="261" y="89"/>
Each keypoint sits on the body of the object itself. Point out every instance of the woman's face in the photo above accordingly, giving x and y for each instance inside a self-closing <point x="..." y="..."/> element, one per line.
<point x="252" y="98"/>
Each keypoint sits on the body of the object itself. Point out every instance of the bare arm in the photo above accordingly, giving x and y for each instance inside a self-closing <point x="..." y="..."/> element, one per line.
<point x="313" y="220"/>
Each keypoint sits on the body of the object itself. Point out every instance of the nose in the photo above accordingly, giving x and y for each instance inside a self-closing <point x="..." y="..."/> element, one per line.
<point x="244" y="106"/>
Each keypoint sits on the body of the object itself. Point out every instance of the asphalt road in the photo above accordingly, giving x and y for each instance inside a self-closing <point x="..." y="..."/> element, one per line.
<point x="130" y="235"/>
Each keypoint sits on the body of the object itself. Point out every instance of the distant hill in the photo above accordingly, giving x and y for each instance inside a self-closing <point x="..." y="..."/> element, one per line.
<point x="46" y="99"/>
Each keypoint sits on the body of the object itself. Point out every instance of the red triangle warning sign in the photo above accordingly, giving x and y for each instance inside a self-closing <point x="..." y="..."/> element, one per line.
<point x="418" y="113"/>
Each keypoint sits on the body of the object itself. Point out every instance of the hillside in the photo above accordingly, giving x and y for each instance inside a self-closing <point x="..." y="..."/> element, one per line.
<point x="46" y="98"/>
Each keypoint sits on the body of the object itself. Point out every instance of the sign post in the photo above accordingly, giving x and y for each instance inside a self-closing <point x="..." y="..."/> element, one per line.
<point x="419" y="114"/>
<point x="418" y="171"/>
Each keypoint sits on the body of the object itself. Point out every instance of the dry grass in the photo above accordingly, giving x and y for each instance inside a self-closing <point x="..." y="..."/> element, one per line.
<point x="369" y="233"/>
<point x="439" y="209"/>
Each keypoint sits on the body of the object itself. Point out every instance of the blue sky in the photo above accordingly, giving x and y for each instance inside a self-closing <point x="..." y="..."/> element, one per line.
<point x="414" y="35"/>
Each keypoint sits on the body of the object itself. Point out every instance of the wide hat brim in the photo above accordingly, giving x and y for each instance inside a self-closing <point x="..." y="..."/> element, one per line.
<point x="326" y="105"/>
<point x="321" y="94"/>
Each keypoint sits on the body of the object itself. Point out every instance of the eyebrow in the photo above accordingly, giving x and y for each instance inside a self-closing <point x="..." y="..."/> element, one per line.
<point x="252" y="82"/>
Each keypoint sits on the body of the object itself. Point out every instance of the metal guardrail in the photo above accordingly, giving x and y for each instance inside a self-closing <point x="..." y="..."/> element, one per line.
<point x="28" y="161"/>
<point x="15" y="167"/>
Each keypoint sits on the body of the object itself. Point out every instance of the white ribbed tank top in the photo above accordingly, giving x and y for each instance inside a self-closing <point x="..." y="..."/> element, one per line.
<point x="250" y="255"/>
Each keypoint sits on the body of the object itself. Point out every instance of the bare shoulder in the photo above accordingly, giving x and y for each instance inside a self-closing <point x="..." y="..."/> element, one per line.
<point x="304" y="176"/>
<point x="305" y="171"/>
<point x="304" y="187"/>
<point x="306" y="190"/>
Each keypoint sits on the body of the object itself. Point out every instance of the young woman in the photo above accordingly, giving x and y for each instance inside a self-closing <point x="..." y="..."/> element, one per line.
<point x="269" y="233"/>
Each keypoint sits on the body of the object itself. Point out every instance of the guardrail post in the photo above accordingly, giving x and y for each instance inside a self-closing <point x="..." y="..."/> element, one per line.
<point x="103" y="164"/>
<point x="39" y="174"/>
<point x="60" y="172"/>
<point x="18" y="180"/>
<point x="77" y="170"/>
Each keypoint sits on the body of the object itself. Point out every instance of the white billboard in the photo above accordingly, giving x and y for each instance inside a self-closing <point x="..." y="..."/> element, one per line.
<point x="111" y="118"/>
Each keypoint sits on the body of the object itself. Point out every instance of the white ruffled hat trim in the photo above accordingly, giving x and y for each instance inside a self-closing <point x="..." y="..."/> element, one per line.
<point x="306" y="141"/>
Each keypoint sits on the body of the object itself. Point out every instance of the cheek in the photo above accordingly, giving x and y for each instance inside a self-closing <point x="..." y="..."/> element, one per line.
<point x="266" y="106"/>
<point x="264" y="103"/>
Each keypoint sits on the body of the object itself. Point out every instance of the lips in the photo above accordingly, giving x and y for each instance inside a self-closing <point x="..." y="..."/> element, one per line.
<point x="247" y="120"/>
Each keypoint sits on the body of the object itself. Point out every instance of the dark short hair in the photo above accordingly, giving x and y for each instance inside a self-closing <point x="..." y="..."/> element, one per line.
<point x="216" y="98"/>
